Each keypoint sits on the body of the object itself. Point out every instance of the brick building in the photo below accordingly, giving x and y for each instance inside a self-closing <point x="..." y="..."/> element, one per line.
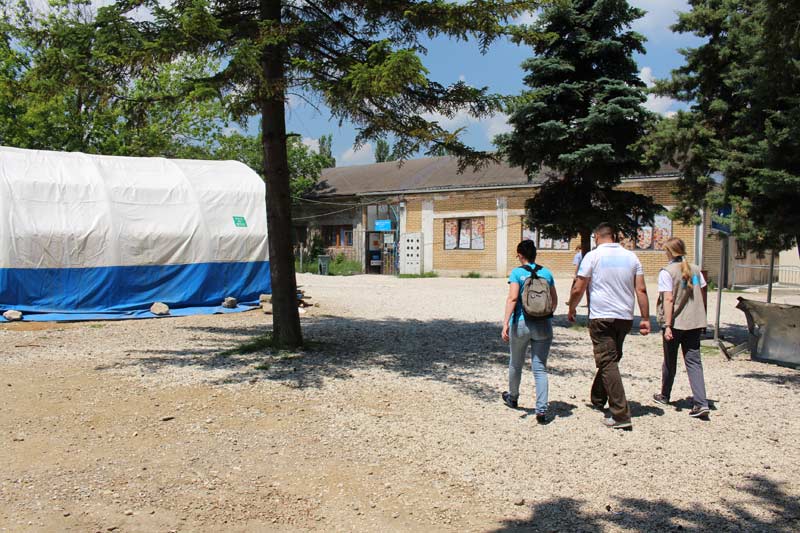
<point x="466" y="222"/>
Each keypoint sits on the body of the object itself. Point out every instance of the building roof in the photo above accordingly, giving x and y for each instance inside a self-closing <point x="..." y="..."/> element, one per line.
<point x="431" y="174"/>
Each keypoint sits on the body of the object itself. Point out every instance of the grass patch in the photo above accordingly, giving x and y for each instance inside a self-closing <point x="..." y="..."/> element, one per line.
<point x="472" y="275"/>
<point x="339" y="266"/>
<point x="423" y="275"/>
<point x="709" y="350"/>
<point x="266" y="343"/>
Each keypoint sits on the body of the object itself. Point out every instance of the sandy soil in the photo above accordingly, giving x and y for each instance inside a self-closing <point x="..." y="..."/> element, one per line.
<point x="392" y="422"/>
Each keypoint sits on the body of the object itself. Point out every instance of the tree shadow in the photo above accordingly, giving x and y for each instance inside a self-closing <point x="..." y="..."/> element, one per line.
<point x="787" y="380"/>
<point x="442" y="350"/>
<point x="779" y="512"/>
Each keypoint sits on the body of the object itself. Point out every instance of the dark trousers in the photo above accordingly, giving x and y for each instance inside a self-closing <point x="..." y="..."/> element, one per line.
<point x="607" y="338"/>
<point x="689" y="341"/>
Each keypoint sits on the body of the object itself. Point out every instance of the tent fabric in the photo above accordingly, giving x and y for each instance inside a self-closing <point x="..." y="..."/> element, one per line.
<point x="85" y="234"/>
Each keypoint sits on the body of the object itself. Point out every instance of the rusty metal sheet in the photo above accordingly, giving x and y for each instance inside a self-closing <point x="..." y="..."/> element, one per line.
<point x="774" y="331"/>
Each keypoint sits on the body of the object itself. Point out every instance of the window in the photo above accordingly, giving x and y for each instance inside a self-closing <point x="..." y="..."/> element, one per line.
<point x="653" y="237"/>
<point x="337" y="236"/>
<point x="464" y="233"/>
<point x="542" y="243"/>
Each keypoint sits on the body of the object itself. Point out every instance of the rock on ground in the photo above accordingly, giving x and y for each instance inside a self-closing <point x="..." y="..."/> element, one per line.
<point x="159" y="309"/>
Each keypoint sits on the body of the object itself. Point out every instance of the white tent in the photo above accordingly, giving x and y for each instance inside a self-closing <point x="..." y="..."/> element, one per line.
<point x="87" y="236"/>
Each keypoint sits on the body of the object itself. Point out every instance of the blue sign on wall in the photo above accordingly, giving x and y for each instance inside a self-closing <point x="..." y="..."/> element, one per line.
<point x="722" y="213"/>
<point x="383" y="225"/>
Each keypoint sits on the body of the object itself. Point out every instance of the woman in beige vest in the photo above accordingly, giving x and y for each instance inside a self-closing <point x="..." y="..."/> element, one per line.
<point x="682" y="316"/>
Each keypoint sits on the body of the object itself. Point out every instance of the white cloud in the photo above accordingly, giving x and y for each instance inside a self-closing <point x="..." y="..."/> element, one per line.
<point x="657" y="104"/>
<point x="311" y="143"/>
<point x="496" y="125"/>
<point x="661" y="14"/>
<point x="362" y="156"/>
<point x="527" y="18"/>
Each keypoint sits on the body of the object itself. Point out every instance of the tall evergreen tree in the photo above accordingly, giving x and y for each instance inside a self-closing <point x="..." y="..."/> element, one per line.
<point x="361" y="58"/>
<point x="384" y="151"/>
<point x="326" y="151"/>
<point x="581" y="120"/>
<point x="743" y="87"/>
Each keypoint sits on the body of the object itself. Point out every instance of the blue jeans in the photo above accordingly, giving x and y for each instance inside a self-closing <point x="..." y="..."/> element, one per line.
<point x="539" y="335"/>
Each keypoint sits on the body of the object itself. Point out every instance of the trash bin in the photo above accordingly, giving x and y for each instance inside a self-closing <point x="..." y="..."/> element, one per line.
<point x="324" y="262"/>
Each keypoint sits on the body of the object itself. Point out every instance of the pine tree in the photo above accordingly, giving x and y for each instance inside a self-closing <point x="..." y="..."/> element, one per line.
<point x="361" y="58"/>
<point x="581" y="120"/>
<point x="743" y="88"/>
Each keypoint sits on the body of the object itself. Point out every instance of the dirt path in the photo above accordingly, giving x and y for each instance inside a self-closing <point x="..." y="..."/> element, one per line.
<point x="391" y="424"/>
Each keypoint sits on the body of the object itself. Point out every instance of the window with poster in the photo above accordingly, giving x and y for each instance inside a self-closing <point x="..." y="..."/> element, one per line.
<point x="541" y="242"/>
<point x="464" y="233"/>
<point x="651" y="237"/>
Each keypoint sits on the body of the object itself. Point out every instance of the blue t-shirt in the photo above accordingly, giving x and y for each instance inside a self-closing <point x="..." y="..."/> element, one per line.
<point x="519" y="275"/>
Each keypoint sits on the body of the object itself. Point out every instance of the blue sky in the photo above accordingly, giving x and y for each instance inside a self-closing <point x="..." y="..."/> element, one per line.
<point x="499" y="69"/>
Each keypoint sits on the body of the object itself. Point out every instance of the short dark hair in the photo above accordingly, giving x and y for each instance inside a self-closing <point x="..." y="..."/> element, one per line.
<point x="604" y="229"/>
<point x="528" y="250"/>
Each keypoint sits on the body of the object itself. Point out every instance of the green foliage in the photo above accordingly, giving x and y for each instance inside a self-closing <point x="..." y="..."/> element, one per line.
<point x="305" y="165"/>
<point x="423" y="275"/>
<point x="472" y="275"/>
<point x="384" y="152"/>
<point x="339" y="266"/>
<point x="362" y="59"/>
<point x="743" y="85"/>
<point x="583" y="118"/>
<point x="70" y="80"/>
<point x="326" y="151"/>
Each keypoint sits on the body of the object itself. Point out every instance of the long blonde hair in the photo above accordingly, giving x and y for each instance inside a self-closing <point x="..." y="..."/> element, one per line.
<point x="677" y="248"/>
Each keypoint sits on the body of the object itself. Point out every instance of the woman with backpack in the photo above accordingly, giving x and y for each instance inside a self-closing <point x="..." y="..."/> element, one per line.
<point x="682" y="316"/>
<point x="528" y="321"/>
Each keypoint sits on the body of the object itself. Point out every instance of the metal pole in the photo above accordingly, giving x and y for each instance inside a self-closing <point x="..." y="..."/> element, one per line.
<point x="771" y="276"/>
<point x="722" y="261"/>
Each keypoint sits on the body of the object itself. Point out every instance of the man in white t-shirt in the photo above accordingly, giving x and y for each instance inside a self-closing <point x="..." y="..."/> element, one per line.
<point x="617" y="284"/>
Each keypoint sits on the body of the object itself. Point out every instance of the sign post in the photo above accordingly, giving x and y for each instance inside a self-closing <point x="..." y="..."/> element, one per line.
<point x="723" y="231"/>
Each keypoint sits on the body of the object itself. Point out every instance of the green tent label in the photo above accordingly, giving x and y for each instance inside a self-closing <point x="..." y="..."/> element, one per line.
<point x="239" y="222"/>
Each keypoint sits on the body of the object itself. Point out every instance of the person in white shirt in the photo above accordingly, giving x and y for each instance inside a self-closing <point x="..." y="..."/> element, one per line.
<point x="617" y="283"/>
<point x="577" y="259"/>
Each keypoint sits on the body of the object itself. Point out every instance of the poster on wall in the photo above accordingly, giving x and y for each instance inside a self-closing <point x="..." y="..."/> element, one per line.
<point x="644" y="237"/>
<point x="560" y="244"/>
<point x="662" y="231"/>
<point x="478" y="230"/>
<point x="465" y="234"/>
<point x="528" y="234"/>
<point x="375" y="242"/>
<point x="450" y="234"/>
<point x="545" y="244"/>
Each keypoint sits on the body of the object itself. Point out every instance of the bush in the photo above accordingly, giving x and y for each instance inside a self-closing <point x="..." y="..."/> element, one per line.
<point x="423" y="275"/>
<point x="473" y="275"/>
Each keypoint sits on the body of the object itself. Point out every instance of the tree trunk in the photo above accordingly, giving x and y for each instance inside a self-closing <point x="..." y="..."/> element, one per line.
<point x="586" y="241"/>
<point x="286" y="320"/>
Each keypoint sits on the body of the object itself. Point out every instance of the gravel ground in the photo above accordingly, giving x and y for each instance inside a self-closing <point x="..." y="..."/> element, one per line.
<point x="390" y="422"/>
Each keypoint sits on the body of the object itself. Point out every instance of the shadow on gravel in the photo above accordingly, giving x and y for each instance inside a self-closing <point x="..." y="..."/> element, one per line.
<point x="449" y="351"/>
<point x="787" y="380"/>
<point x="780" y="513"/>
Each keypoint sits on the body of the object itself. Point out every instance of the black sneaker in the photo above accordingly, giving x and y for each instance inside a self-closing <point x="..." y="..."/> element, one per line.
<point x="660" y="398"/>
<point x="508" y="400"/>
<point x="699" y="412"/>
<point x="542" y="418"/>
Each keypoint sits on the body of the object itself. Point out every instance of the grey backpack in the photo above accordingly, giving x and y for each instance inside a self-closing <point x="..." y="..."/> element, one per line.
<point x="537" y="304"/>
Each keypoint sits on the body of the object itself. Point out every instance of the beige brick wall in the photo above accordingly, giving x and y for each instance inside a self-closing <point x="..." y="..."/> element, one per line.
<point x="454" y="262"/>
<point x="414" y="214"/>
